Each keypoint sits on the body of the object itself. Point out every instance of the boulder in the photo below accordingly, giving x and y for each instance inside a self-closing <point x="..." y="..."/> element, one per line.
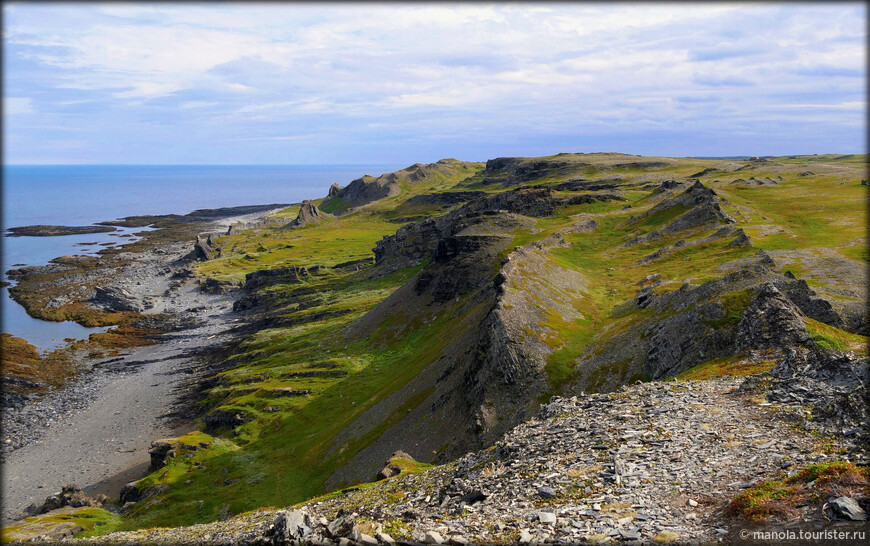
<point x="340" y="526"/>
<point x="583" y="224"/>
<point x="742" y="240"/>
<point x="847" y="508"/>
<point x="130" y="493"/>
<point x="114" y="298"/>
<point x="69" y="495"/>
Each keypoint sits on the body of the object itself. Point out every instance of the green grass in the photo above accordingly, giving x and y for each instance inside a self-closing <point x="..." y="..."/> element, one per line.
<point x="730" y="366"/>
<point x="295" y="446"/>
<point x="93" y="521"/>
<point x="734" y="304"/>
<point x="829" y="337"/>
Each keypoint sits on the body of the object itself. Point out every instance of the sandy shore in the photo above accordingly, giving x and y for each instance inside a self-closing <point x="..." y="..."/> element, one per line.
<point x="103" y="442"/>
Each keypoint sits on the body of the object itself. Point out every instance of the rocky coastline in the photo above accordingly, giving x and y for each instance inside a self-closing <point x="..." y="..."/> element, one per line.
<point x="169" y="328"/>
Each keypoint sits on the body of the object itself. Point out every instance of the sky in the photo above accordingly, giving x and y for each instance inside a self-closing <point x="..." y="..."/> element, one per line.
<point x="336" y="83"/>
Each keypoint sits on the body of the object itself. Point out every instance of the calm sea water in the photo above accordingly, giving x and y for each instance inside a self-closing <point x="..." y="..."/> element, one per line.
<point x="85" y="194"/>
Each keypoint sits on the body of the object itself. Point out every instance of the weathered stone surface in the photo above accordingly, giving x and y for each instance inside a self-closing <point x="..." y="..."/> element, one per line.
<point x="583" y="224"/>
<point x="159" y="453"/>
<point x="308" y="214"/>
<point x="340" y="526"/>
<point x="509" y="171"/>
<point x="203" y="248"/>
<point x="69" y="495"/>
<point x="771" y="320"/>
<point x="390" y="469"/>
<point x="222" y="419"/>
<point x="115" y="298"/>
<point x="847" y="508"/>
<point x="415" y="242"/>
<point x="215" y="286"/>
<point x="278" y="275"/>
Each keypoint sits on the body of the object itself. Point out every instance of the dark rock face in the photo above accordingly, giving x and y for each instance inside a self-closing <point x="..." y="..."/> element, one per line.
<point x="771" y="321"/>
<point x="415" y="242"/>
<point x="702" y="211"/>
<point x="809" y="302"/>
<point x="214" y="286"/>
<point x="690" y="325"/>
<point x="160" y="453"/>
<point x="222" y="419"/>
<point x="678" y="342"/>
<point x="365" y="190"/>
<point x="445" y="198"/>
<point x="742" y="240"/>
<point x="130" y="493"/>
<point x="509" y="171"/>
<point x="833" y="383"/>
<point x="460" y="265"/>
<point x="203" y="248"/>
<point x="333" y="190"/>
<point x="279" y="275"/>
<point x="114" y="298"/>
<point x="588" y="199"/>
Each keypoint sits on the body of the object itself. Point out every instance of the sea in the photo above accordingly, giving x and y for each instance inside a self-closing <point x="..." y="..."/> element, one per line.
<point x="80" y="195"/>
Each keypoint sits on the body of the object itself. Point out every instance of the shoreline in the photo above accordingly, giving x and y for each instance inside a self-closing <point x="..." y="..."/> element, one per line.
<point x="95" y="432"/>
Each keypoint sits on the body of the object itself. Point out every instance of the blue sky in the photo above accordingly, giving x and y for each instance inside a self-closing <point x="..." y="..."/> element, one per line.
<point x="303" y="83"/>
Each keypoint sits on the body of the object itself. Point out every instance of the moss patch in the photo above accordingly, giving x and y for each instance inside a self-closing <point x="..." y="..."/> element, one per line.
<point x="780" y="499"/>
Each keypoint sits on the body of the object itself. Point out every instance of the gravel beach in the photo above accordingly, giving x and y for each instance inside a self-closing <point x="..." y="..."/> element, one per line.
<point x="96" y="432"/>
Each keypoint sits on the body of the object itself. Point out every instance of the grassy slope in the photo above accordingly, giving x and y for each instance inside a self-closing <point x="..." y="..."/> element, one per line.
<point x="284" y="453"/>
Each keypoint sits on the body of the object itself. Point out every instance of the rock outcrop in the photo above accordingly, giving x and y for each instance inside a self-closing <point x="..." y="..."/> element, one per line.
<point x="368" y="189"/>
<point x="392" y="467"/>
<point x="204" y="248"/>
<point x="415" y="242"/>
<point x="69" y="495"/>
<point x="510" y="171"/>
<point x="771" y="321"/>
<point x="115" y="298"/>
<point x="834" y="384"/>
<point x="308" y="214"/>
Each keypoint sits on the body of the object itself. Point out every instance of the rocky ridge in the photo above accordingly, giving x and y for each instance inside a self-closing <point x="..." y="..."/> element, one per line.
<point x="654" y="461"/>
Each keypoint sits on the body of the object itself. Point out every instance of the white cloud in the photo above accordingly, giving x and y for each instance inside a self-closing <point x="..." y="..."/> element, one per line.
<point x="197" y="104"/>
<point x="17" y="105"/>
<point x="547" y="67"/>
<point x="850" y="105"/>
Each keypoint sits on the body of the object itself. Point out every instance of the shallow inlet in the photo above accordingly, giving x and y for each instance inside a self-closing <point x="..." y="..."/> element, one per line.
<point x="45" y="335"/>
